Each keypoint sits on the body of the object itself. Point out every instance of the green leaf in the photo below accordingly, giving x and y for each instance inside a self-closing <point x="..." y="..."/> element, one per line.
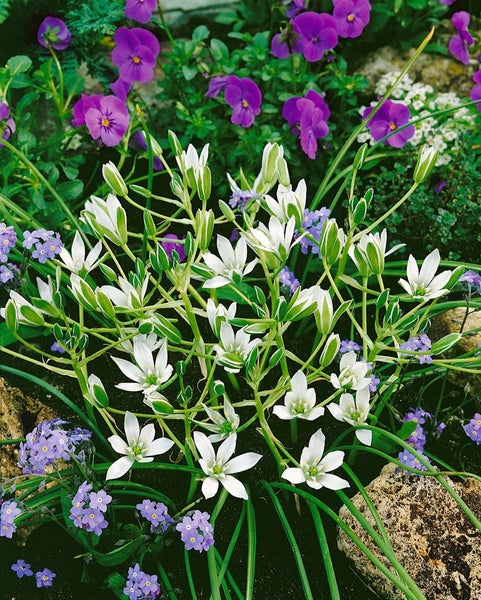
<point x="70" y="190"/>
<point x="19" y="64"/>
<point x="200" y="33"/>
<point x="219" y="50"/>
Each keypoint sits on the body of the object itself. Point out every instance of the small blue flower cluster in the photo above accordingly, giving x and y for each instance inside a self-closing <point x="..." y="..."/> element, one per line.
<point x="241" y="198"/>
<point x="472" y="279"/>
<point x="196" y="531"/>
<point x="157" y="515"/>
<point x="43" y="578"/>
<point x="88" y="509"/>
<point x="47" y="443"/>
<point x="288" y="281"/>
<point x="417" y="439"/>
<point x="419" y="343"/>
<point x="140" y="586"/>
<point x="8" y="511"/>
<point x="312" y="224"/>
<point x="349" y="346"/>
<point x="45" y="244"/>
<point x="473" y="429"/>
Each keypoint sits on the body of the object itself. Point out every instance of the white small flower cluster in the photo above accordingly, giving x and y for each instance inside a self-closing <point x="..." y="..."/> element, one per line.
<point x="442" y="132"/>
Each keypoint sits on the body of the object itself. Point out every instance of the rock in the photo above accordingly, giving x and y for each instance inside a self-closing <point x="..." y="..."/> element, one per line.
<point x="451" y="321"/>
<point x="19" y="414"/>
<point x="180" y="12"/>
<point x="432" y="538"/>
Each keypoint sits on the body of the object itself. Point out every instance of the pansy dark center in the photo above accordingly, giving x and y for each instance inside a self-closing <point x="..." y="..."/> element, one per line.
<point x="351" y="17"/>
<point x="392" y="126"/>
<point x="136" y="60"/>
<point x="245" y="104"/>
<point x="105" y="122"/>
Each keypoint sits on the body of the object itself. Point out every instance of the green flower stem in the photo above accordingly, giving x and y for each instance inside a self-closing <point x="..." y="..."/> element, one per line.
<point x="364" y="336"/>
<point x="190" y="578"/>
<point x="58" y="97"/>
<point x="213" y="574"/>
<point x="60" y="201"/>
<point x="333" y="167"/>
<point x="38" y="363"/>
<point x="385" y="215"/>
<point x="166" y="585"/>
<point x="266" y="430"/>
<point x="232" y="544"/>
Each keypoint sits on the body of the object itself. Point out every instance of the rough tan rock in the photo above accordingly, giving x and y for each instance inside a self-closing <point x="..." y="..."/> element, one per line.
<point x="451" y="321"/>
<point x="434" y="541"/>
<point x="19" y="414"/>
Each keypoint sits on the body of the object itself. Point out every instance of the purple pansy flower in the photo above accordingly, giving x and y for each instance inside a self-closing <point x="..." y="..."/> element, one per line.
<point x="7" y="124"/>
<point x="217" y="84"/>
<point x="140" y="10"/>
<point x="135" y="54"/>
<point x="317" y="33"/>
<point x="351" y="17"/>
<point x="82" y="106"/>
<point x="53" y="33"/>
<point x="121" y="89"/>
<point x="108" y="121"/>
<point x="390" y="117"/>
<point x="307" y="118"/>
<point x="245" y="98"/>
<point x="458" y="45"/>
<point x="294" y="7"/>
<point x="475" y="93"/>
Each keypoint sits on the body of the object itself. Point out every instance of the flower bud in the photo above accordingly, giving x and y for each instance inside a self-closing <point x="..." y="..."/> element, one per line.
<point x="83" y="292"/>
<point x="96" y="392"/>
<point x="114" y="179"/>
<point x="324" y="312"/>
<point x="282" y="171"/>
<point x="330" y="350"/>
<point x="203" y="227"/>
<point x="357" y="210"/>
<point x="360" y="156"/>
<point x="269" y="160"/>
<point x="174" y="143"/>
<point x="331" y="242"/>
<point x="203" y="180"/>
<point x="425" y="164"/>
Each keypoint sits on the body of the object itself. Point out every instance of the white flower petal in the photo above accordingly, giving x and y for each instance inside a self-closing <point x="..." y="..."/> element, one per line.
<point x="234" y="487"/>
<point x="131" y="427"/>
<point x="333" y="482"/>
<point x="243" y="462"/>
<point x="205" y="448"/>
<point x="118" y="444"/>
<point x="119" y="467"/>
<point x="210" y="486"/>
<point x="159" y="446"/>
<point x="294" y="475"/>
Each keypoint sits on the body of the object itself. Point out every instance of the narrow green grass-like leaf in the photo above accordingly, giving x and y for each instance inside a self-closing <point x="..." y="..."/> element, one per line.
<point x="326" y="554"/>
<point x="292" y="541"/>
<point x="251" y="550"/>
